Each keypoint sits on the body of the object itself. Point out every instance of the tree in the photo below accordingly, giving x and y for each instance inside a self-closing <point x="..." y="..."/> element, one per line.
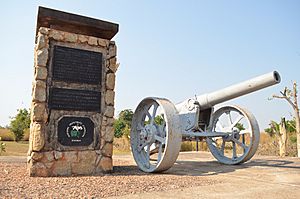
<point x="280" y="130"/>
<point x="19" y="123"/>
<point x="122" y="124"/>
<point x="291" y="97"/>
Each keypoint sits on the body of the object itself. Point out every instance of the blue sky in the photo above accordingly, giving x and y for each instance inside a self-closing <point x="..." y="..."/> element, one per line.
<point x="172" y="49"/>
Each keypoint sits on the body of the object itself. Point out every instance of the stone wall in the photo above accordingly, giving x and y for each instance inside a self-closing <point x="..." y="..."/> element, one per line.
<point x="46" y="157"/>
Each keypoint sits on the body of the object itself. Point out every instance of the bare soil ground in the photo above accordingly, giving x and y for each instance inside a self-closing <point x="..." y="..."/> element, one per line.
<point x="195" y="175"/>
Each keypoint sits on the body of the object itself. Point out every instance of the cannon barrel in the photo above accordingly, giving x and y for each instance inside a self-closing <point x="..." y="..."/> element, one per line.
<point x="210" y="99"/>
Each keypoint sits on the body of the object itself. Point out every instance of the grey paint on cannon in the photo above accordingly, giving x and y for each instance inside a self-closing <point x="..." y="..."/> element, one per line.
<point x="231" y="132"/>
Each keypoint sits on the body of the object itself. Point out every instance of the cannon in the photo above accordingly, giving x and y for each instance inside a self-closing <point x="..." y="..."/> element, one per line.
<point x="231" y="132"/>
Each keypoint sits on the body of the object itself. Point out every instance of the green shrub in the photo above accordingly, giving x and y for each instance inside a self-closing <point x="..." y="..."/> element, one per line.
<point x="293" y="139"/>
<point x="19" y="123"/>
<point x="7" y="135"/>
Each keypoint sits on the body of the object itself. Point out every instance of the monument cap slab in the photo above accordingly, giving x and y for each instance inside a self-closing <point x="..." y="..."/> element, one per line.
<point x="74" y="23"/>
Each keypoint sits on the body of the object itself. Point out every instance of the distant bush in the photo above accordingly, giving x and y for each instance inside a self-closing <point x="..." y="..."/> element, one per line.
<point x="7" y="135"/>
<point x="19" y="123"/>
<point x="26" y="134"/>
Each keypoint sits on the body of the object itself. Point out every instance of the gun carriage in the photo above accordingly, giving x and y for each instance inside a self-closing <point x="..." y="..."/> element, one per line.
<point x="231" y="132"/>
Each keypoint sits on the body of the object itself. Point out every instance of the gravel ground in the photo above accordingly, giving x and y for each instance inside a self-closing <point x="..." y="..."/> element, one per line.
<point x="126" y="179"/>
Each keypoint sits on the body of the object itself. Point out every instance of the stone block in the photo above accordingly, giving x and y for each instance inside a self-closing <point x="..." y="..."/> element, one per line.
<point x="107" y="150"/>
<point x="110" y="97"/>
<point x="36" y="156"/>
<point x="112" y="52"/>
<point x="110" y="121"/>
<point x="82" y="38"/>
<point x="71" y="156"/>
<point x="44" y="30"/>
<point x="37" y="130"/>
<point x="39" y="91"/>
<point x="42" y="41"/>
<point x="110" y="81"/>
<point x="38" y="169"/>
<point x="40" y="73"/>
<point x="109" y="111"/>
<point x="42" y="57"/>
<point x="102" y="143"/>
<point x="103" y="42"/>
<point x="58" y="155"/>
<point x="106" y="164"/>
<point x="113" y="66"/>
<point x="56" y="35"/>
<point x="70" y="37"/>
<point x="109" y="134"/>
<point x="86" y="165"/>
<point x="38" y="112"/>
<point x="48" y="157"/>
<point x="61" y="168"/>
<point x="93" y="41"/>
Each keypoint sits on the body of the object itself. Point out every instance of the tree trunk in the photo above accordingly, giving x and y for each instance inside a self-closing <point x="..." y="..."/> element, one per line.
<point x="297" y="117"/>
<point x="282" y="138"/>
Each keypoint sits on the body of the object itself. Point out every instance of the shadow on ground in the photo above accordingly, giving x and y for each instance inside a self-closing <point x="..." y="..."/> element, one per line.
<point x="208" y="168"/>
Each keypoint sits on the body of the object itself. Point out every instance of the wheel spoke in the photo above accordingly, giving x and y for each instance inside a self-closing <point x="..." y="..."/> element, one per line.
<point x="148" y="114"/>
<point x="223" y="147"/>
<point x="239" y="143"/>
<point x="160" y="139"/>
<point x="219" y="125"/>
<point x="141" y="147"/>
<point x="140" y="127"/>
<point x="147" y="163"/>
<point x="159" y="153"/>
<point x="243" y="132"/>
<point x="229" y="118"/>
<point x="155" y="106"/>
<point x="234" y="156"/>
<point x="243" y="141"/>
<point x="236" y="121"/>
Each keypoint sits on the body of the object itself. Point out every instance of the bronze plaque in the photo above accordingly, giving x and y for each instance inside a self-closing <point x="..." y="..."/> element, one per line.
<point x="75" y="131"/>
<point x="74" y="100"/>
<point x="76" y="65"/>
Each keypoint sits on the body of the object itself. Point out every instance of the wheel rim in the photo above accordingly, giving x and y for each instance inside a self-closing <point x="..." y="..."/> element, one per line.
<point x="155" y="135"/>
<point x="242" y="139"/>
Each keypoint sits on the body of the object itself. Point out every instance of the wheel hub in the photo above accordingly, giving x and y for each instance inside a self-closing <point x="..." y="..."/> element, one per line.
<point x="148" y="133"/>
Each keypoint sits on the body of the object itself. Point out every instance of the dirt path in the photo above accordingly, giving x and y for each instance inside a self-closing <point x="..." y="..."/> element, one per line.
<point x="195" y="175"/>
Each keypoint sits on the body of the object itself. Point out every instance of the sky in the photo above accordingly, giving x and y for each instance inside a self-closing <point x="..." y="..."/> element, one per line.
<point x="172" y="49"/>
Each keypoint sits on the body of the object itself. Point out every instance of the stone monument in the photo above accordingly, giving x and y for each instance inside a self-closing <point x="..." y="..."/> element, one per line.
<point x="72" y="108"/>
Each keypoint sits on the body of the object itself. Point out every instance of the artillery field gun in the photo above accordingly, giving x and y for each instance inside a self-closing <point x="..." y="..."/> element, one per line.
<point x="231" y="132"/>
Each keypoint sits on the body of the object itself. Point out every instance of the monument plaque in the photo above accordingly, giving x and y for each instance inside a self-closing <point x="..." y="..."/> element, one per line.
<point x="75" y="131"/>
<point x="75" y="100"/>
<point x="76" y="65"/>
<point x="72" y="109"/>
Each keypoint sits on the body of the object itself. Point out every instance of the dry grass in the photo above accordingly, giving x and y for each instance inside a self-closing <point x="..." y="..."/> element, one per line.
<point x="15" y="148"/>
<point x="6" y="135"/>
<point x="269" y="145"/>
<point x="121" y="145"/>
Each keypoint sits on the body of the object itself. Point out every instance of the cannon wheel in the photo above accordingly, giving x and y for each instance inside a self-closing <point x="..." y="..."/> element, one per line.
<point x="242" y="139"/>
<point x="155" y="135"/>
